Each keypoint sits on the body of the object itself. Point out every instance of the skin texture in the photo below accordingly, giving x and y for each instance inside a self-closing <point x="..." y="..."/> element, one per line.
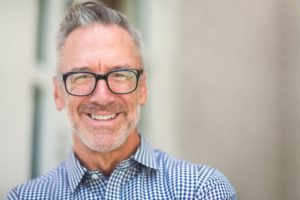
<point x="101" y="144"/>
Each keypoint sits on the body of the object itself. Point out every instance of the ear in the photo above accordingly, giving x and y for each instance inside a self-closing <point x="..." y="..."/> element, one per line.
<point x="58" y="94"/>
<point x="143" y="91"/>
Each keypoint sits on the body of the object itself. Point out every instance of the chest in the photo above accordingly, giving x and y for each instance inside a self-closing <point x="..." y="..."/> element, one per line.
<point x="130" y="184"/>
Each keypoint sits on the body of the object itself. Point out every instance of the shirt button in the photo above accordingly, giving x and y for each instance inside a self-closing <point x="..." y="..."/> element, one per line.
<point x="95" y="176"/>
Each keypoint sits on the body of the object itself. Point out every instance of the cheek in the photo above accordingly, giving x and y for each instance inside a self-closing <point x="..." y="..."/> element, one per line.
<point x="133" y="101"/>
<point x="72" y="105"/>
<point x="130" y="103"/>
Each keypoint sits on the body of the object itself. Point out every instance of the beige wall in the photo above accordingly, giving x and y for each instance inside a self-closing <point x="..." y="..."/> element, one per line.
<point x="16" y="56"/>
<point x="291" y="100"/>
<point x="230" y="99"/>
<point x="224" y="89"/>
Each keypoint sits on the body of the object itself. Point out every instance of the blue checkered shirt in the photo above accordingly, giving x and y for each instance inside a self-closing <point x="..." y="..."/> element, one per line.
<point x="148" y="174"/>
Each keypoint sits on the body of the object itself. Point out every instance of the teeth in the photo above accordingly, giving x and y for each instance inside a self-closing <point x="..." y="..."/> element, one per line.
<point x="103" y="117"/>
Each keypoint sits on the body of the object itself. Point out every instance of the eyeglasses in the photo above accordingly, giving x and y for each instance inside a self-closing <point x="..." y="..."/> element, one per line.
<point x="121" y="81"/>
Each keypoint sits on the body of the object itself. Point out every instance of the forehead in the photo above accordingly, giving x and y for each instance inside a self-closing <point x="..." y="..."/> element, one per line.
<point x="101" y="46"/>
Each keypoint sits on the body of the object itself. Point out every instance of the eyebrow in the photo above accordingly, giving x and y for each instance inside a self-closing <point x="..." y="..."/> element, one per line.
<point x="78" y="69"/>
<point x="86" y="68"/>
<point x="124" y="66"/>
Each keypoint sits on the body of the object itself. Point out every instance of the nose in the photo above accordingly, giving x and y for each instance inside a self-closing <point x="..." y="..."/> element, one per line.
<point x="102" y="94"/>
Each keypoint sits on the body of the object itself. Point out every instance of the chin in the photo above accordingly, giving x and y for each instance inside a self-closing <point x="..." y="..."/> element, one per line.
<point x="104" y="141"/>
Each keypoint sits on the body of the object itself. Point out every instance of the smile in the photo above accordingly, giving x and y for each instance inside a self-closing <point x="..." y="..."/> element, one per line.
<point x="103" y="117"/>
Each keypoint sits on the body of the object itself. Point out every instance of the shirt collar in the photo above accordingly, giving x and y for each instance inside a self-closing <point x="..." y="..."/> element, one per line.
<point x="75" y="171"/>
<point x="144" y="155"/>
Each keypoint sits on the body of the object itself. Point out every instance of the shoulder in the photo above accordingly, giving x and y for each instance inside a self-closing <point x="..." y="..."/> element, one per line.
<point x="216" y="186"/>
<point x="196" y="181"/>
<point x="40" y="187"/>
<point x="181" y="169"/>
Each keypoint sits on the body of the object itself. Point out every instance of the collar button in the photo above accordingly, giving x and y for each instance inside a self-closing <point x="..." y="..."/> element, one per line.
<point x="95" y="176"/>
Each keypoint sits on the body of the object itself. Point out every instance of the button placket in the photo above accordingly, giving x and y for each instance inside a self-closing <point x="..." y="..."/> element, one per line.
<point x="118" y="179"/>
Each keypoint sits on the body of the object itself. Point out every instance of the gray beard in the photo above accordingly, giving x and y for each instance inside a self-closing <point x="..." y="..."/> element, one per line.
<point x="105" y="141"/>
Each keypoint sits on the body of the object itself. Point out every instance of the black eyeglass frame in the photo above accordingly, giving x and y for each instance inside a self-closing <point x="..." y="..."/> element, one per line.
<point x="98" y="77"/>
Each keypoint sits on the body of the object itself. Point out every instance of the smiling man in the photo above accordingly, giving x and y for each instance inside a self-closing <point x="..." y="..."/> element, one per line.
<point x="101" y="69"/>
<point x="102" y="84"/>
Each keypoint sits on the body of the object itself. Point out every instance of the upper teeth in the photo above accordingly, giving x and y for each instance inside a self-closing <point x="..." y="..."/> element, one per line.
<point x="103" y="117"/>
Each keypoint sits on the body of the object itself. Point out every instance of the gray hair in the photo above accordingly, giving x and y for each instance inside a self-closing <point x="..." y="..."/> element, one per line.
<point x="83" y="13"/>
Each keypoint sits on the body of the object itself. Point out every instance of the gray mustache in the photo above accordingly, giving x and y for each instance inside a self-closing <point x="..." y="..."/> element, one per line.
<point x="94" y="107"/>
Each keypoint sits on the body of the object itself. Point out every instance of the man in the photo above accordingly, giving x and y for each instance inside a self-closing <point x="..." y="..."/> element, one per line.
<point x="102" y="84"/>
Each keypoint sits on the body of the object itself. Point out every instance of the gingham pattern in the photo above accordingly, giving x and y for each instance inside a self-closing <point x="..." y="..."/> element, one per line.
<point x="148" y="174"/>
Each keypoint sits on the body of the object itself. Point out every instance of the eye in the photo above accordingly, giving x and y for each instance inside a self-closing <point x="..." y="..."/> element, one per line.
<point x="122" y="75"/>
<point x="119" y="75"/>
<point x="81" y="78"/>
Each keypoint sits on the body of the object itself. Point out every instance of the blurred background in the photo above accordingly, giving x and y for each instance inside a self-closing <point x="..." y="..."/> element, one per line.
<point x="224" y="81"/>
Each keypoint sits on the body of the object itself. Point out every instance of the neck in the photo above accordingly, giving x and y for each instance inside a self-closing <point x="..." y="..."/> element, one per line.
<point x="105" y="162"/>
